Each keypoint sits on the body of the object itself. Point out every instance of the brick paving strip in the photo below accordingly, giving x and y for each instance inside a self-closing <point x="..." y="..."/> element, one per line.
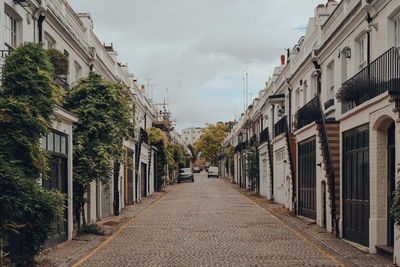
<point x="70" y="252"/>
<point x="335" y="247"/>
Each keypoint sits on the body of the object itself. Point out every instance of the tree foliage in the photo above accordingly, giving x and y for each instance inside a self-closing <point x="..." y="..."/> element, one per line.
<point x="59" y="61"/>
<point x="193" y="151"/>
<point x="210" y="142"/>
<point x="27" y="102"/>
<point x="158" y="139"/>
<point x="253" y="167"/>
<point x="395" y="208"/>
<point x="105" y="114"/>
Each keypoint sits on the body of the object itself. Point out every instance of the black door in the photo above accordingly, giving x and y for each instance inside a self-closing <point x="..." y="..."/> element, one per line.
<point x="356" y="185"/>
<point x="58" y="180"/>
<point x="307" y="178"/>
<point x="144" y="179"/>
<point x="391" y="182"/>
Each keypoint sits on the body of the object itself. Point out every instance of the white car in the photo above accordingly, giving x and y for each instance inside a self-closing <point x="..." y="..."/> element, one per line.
<point x="213" y="171"/>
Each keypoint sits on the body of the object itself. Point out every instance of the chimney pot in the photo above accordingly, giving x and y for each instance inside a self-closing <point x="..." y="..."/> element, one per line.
<point x="282" y="59"/>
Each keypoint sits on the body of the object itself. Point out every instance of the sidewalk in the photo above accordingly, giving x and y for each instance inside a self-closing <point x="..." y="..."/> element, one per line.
<point x="342" y="251"/>
<point x="70" y="252"/>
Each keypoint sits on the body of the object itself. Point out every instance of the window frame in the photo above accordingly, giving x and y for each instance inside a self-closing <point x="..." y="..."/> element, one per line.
<point x="330" y="80"/>
<point x="396" y="22"/>
<point x="10" y="30"/>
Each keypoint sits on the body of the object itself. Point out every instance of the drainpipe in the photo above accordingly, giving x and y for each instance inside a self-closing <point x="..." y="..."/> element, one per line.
<point x="273" y="120"/>
<point x="40" y="27"/>
<point x="290" y="108"/>
<point x="369" y="20"/>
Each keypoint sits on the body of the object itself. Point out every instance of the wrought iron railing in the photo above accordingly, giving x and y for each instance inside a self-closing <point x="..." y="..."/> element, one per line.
<point x="264" y="135"/>
<point x="3" y="55"/>
<point x="308" y="113"/>
<point x="62" y="83"/>
<point x="382" y="75"/>
<point x="281" y="126"/>
<point x="143" y="135"/>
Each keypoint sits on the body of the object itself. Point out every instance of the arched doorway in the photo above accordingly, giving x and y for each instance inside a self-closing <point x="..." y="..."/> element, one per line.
<point x="391" y="184"/>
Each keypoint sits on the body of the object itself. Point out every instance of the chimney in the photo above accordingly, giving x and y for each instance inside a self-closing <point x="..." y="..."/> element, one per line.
<point x="142" y="87"/>
<point x="282" y="59"/>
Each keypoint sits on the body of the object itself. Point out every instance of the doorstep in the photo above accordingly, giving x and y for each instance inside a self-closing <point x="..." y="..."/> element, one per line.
<point x="383" y="250"/>
<point x="357" y="246"/>
<point x="307" y="220"/>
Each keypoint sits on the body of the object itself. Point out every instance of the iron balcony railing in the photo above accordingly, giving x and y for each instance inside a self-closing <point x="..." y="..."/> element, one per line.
<point x="62" y="83"/>
<point x="264" y="136"/>
<point x="143" y="135"/>
<point x="382" y="75"/>
<point x="308" y="113"/>
<point x="3" y="55"/>
<point x="281" y="126"/>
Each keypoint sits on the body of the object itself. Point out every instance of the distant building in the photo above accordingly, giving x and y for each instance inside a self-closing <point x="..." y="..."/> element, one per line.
<point x="189" y="136"/>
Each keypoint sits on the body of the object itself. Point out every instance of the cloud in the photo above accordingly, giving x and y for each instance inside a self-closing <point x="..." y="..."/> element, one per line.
<point x="195" y="48"/>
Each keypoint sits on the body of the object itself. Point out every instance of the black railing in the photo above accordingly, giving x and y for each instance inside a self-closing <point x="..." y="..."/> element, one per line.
<point x="308" y="113"/>
<point x="4" y="53"/>
<point x="264" y="135"/>
<point x="143" y="135"/>
<point x="329" y="103"/>
<point x="253" y="140"/>
<point x="382" y="75"/>
<point x="237" y="149"/>
<point x="281" y="126"/>
<point x="60" y="82"/>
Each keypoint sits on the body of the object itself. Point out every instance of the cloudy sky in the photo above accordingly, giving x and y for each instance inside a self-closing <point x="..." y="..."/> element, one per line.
<point x="196" y="48"/>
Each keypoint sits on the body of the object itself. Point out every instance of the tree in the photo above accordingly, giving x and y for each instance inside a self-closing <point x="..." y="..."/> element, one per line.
<point x="253" y="167"/>
<point x="105" y="114"/>
<point x="210" y="142"/>
<point x="27" y="102"/>
<point x="194" y="154"/>
<point x="158" y="139"/>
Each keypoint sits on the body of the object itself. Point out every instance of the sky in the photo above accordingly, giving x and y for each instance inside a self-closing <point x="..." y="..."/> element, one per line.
<point x="192" y="52"/>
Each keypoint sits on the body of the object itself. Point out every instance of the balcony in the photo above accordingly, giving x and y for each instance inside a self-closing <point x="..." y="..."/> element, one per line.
<point x="61" y="83"/>
<point x="308" y="113"/>
<point x="3" y="55"/>
<point x="281" y="126"/>
<point x="143" y="135"/>
<point x="264" y="136"/>
<point x="382" y="75"/>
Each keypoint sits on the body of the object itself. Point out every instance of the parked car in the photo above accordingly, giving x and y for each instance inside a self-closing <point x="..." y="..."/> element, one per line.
<point x="185" y="174"/>
<point x="196" y="170"/>
<point x="207" y="165"/>
<point x="213" y="171"/>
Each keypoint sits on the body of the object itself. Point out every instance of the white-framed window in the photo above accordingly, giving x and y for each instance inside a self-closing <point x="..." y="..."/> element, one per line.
<point x="330" y="81"/>
<point x="49" y="42"/>
<point x="397" y="31"/>
<point x="77" y="71"/>
<point x="297" y="99"/>
<point x="10" y="30"/>
<point x="362" y="45"/>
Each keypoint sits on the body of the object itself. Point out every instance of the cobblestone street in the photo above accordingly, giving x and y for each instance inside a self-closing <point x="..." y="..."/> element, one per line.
<point x="209" y="223"/>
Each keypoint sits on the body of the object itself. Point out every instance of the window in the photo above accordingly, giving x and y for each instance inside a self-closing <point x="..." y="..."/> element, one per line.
<point x="397" y="31"/>
<point x="77" y="71"/>
<point x="10" y="30"/>
<point x="48" y="42"/>
<point x="330" y="81"/>
<point x="297" y="99"/>
<point x="55" y="142"/>
<point x="362" y="52"/>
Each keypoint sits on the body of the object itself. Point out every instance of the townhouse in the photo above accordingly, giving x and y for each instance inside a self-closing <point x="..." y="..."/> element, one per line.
<point x="329" y="124"/>
<point x="56" y="24"/>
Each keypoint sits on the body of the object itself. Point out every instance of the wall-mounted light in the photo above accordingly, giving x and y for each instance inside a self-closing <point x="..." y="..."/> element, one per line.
<point x="23" y="3"/>
<point x="347" y="52"/>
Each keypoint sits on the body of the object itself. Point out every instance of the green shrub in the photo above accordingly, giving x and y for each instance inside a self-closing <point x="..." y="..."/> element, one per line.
<point x="90" y="229"/>
<point x="26" y="110"/>
<point x="59" y="61"/>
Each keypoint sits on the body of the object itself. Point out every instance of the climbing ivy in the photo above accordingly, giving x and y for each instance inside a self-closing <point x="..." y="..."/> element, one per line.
<point x="395" y="209"/>
<point x="105" y="114"/>
<point x="27" y="100"/>
<point x="253" y="167"/>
